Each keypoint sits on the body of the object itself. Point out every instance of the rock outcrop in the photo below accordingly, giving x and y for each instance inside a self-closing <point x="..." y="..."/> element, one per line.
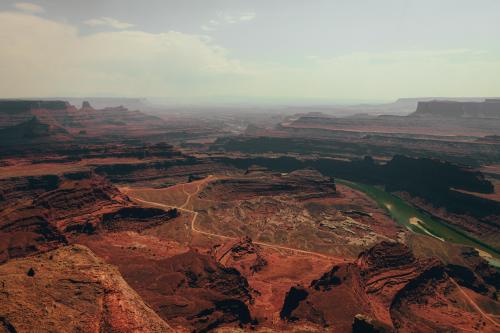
<point x="136" y="218"/>
<point x="386" y="289"/>
<point x="300" y="184"/>
<point x="44" y="213"/>
<point x="71" y="290"/>
<point x="332" y="300"/>
<point x="189" y="289"/>
<point x="364" y="324"/>
<point x="241" y="254"/>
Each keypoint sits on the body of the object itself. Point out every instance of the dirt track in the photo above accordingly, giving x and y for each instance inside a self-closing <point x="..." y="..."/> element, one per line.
<point x="199" y="187"/>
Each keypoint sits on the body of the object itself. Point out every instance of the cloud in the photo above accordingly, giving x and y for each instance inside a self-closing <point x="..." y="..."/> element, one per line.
<point x="108" y="22"/>
<point x="227" y="18"/>
<point x="49" y="58"/>
<point x="208" y="27"/>
<point x="29" y="7"/>
<point x="247" y="17"/>
<point x="44" y="58"/>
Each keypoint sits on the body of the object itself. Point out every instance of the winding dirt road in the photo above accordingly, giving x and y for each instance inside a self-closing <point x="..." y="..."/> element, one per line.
<point x="183" y="208"/>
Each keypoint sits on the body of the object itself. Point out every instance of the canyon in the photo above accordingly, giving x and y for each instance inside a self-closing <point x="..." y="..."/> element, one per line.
<point x="114" y="220"/>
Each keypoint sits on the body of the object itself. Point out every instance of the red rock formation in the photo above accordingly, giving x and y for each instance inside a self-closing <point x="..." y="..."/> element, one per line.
<point x="63" y="209"/>
<point x="135" y="218"/>
<point x="241" y="254"/>
<point x="333" y="300"/>
<point x="71" y="290"/>
<point x="300" y="184"/>
<point x="189" y="289"/>
<point x="389" y="287"/>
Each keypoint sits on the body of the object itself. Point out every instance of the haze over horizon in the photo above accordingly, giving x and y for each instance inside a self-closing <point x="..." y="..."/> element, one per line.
<point x="251" y="166"/>
<point x="259" y="51"/>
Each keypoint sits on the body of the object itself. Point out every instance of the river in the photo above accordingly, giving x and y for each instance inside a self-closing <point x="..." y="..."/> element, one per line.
<point x="420" y="222"/>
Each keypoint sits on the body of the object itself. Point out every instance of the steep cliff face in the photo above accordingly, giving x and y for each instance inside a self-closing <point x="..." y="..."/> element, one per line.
<point x="135" y="218"/>
<point x="300" y="184"/>
<point x="71" y="290"/>
<point x="490" y="108"/>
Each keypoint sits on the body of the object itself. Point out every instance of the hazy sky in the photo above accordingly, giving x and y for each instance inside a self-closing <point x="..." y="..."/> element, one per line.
<point x="242" y="50"/>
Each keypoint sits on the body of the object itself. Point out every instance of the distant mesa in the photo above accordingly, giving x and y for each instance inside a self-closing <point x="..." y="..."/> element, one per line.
<point x="107" y="102"/>
<point x="20" y="106"/>
<point x="66" y="115"/>
<point x="436" y="117"/>
<point x="490" y="108"/>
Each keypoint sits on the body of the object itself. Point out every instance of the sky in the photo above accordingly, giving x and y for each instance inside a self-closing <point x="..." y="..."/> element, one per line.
<point x="260" y="51"/>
